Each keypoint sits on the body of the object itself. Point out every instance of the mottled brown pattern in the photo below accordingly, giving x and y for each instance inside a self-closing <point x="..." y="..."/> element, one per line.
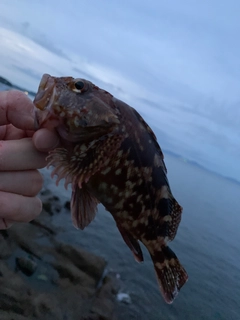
<point x="111" y="156"/>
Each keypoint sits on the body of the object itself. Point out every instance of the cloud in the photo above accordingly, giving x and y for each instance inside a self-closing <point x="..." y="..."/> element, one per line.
<point x="27" y="71"/>
<point x="177" y="65"/>
<point x="41" y="39"/>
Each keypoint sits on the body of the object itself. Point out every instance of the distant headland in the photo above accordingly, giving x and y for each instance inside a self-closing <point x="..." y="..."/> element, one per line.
<point x="14" y="86"/>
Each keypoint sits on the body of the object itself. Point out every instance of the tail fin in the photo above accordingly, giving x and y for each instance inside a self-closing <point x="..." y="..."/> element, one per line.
<point x="170" y="273"/>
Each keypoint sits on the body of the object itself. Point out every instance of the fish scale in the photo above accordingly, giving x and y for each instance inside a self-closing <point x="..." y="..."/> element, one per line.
<point x="111" y="156"/>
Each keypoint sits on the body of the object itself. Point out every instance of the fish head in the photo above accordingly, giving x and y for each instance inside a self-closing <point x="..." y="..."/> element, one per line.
<point x="76" y="108"/>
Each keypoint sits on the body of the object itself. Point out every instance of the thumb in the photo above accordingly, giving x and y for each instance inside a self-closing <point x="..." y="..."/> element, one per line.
<point x="45" y="140"/>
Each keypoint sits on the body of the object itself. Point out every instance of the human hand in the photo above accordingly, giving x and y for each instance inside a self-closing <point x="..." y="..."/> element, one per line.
<point x="22" y="152"/>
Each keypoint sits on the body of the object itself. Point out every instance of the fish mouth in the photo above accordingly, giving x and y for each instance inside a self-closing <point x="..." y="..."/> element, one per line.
<point x="46" y="92"/>
<point x="43" y="101"/>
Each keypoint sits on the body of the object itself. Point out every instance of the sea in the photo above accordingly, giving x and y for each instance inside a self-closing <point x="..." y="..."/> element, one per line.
<point x="207" y="244"/>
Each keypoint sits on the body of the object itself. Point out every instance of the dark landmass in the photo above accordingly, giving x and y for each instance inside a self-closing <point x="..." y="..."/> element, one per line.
<point x="43" y="278"/>
<point x="25" y="90"/>
<point x="14" y="86"/>
<point x="5" y="81"/>
<point x="231" y="180"/>
<point x="196" y="164"/>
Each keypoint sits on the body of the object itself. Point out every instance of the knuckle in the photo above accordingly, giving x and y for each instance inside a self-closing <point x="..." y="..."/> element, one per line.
<point x="38" y="206"/>
<point x="36" y="182"/>
<point x="35" y="209"/>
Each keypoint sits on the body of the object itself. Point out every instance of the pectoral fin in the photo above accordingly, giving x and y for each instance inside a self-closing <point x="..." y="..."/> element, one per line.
<point x="77" y="166"/>
<point x="94" y="158"/>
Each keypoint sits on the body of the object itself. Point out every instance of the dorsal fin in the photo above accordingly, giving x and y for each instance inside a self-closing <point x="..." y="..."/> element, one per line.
<point x="152" y="135"/>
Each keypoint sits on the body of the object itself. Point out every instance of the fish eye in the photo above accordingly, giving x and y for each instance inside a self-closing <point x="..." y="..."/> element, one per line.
<point x="79" y="85"/>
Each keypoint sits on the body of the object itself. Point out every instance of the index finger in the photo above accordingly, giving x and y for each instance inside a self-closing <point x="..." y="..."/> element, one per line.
<point x="16" y="108"/>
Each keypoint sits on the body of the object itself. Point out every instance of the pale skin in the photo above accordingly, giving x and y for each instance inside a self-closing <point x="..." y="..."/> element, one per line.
<point x="22" y="152"/>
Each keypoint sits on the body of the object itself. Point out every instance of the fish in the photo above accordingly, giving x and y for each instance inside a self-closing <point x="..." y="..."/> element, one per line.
<point x="110" y="155"/>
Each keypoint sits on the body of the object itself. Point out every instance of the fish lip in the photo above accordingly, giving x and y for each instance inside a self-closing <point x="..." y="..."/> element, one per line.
<point x="43" y="100"/>
<point x="46" y="92"/>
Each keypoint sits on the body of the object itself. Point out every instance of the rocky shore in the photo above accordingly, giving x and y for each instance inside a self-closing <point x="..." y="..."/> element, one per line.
<point x="42" y="278"/>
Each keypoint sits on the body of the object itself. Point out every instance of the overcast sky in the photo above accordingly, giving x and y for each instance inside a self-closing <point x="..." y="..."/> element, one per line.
<point x="176" y="62"/>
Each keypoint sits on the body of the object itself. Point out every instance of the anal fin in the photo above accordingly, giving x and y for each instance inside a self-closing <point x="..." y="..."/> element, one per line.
<point x="132" y="243"/>
<point x="83" y="206"/>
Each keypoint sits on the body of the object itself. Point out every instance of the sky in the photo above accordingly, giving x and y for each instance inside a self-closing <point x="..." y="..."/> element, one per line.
<point x="176" y="62"/>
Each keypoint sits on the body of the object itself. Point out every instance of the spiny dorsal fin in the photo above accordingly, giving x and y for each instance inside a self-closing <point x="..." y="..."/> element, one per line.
<point x="152" y="135"/>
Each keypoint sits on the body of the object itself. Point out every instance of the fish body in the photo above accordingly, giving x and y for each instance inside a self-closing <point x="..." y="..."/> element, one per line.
<point x="111" y="156"/>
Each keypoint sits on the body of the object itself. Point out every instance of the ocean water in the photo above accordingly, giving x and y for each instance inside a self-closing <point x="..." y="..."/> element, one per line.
<point x="207" y="244"/>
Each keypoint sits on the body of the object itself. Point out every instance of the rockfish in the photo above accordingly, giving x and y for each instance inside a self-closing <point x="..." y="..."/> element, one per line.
<point x="111" y="156"/>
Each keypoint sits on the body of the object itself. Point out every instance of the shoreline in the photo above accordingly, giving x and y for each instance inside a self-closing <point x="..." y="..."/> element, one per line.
<point x="43" y="278"/>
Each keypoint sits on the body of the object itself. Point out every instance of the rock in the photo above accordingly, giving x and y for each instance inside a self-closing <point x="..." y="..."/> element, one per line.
<point x="104" y="303"/>
<point x="47" y="206"/>
<point x="103" y="308"/>
<point x="52" y="206"/>
<point x="9" y="300"/>
<point x="66" y="282"/>
<point x="45" y="192"/>
<point x="21" y="237"/>
<point x="46" y="304"/>
<point x="87" y="262"/>
<point x="8" y="315"/>
<point x="42" y="277"/>
<point x="57" y="207"/>
<point x="39" y="224"/>
<point x="124" y="297"/>
<point x="51" y="203"/>
<point x="4" y="233"/>
<point x="54" y="198"/>
<point x="77" y="276"/>
<point x="10" y="279"/>
<point x="5" y="250"/>
<point x="26" y="265"/>
<point x="67" y="205"/>
<point x="14" y="294"/>
<point x="110" y="286"/>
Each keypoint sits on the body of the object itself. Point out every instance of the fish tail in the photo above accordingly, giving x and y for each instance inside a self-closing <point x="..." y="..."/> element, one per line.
<point x="170" y="273"/>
